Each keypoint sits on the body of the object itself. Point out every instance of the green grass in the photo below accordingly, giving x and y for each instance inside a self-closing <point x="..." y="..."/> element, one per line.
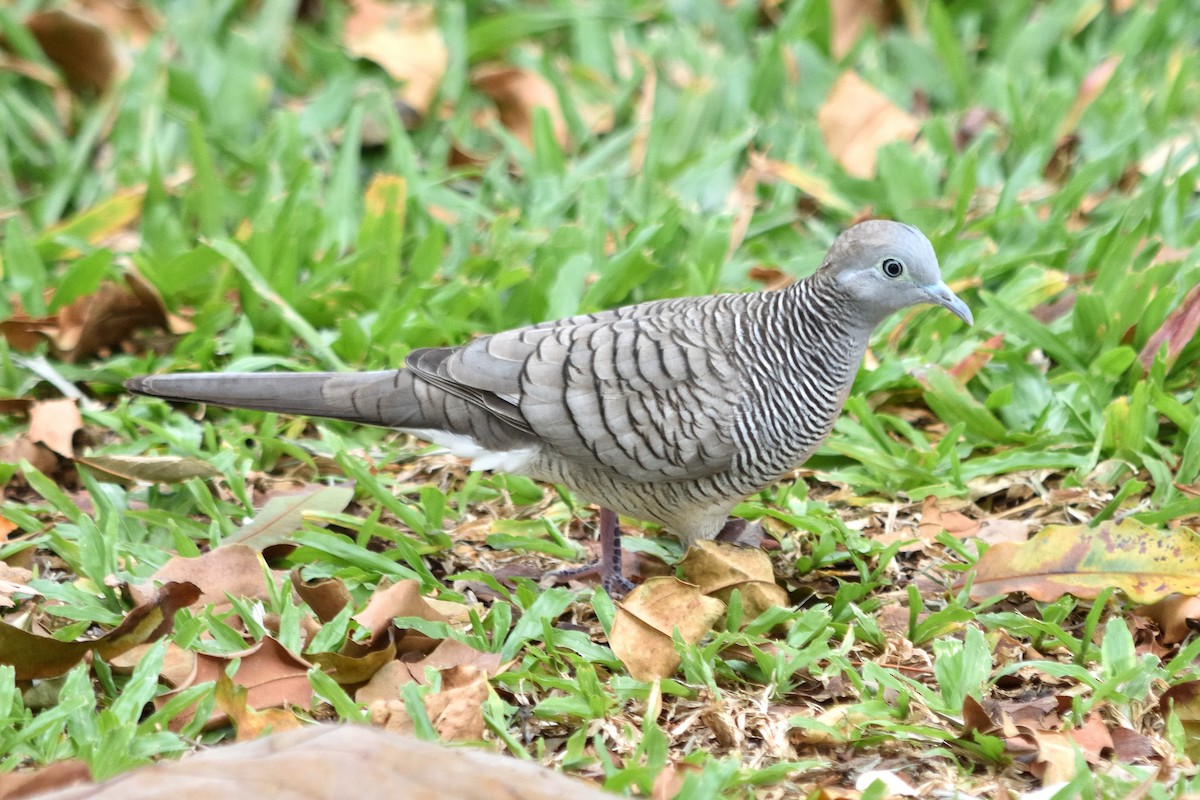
<point x="239" y="130"/>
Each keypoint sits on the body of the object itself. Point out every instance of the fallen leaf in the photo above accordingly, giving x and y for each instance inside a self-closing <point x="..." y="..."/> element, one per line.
<point x="54" y="424"/>
<point x="150" y="469"/>
<point x="411" y="668"/>
<point x="250" y="723"/>
<point x="1146" y="563"/>
<point x="355" y="663"/>
<point x="1093" y="738"/>
<point x="517" y="94"/>
<point x="404" y="39"/>
<point x="401" y="599"/>
<point x="719" y="569"/>
<point x="1129" y="745"/>
<point x="33" y="656"/>
<point x="994" y="531"/>
<point x="1173" y="615"/>
<point x="856" y="120"/>
<point x="642" y="633"/>
<point x="283" y="514"/>
<point x="330" y="762"/>
<point x="235" y="570"/>
<point x="79" y="47"/>
<point x="456" y="711"/>
<point x="104" y="319"/>
<point x="1055" y="760"/>
<point x="1177" y="330"/>
<point x="178" y="669"/>
<point x="851" y="19"/>
<point x="934" y="521"/>
<point x="272" y="676"/>
<point x="1183" y="699"/>
<point x="21" y="449"/>
<point x="13" y="581"/>
<point x="326" y="597"/>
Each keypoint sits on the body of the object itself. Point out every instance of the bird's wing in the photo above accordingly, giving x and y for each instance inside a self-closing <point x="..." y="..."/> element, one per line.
<point x="647" y="393"/>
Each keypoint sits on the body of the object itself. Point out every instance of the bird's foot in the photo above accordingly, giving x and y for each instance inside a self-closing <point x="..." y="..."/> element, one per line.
<point x="745" y="534"/>
<point x="608" y="566"/>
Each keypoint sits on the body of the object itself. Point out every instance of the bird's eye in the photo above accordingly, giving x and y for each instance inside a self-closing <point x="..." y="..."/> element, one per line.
<point x="892" y="268"/>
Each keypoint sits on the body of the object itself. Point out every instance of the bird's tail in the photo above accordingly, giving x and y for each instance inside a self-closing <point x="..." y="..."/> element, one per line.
<point x="370" y="398"/>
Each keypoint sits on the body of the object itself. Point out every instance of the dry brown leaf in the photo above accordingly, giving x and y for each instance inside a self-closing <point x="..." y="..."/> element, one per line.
<point x="79" y="47"/>
<point x="642" y="633"/>
<point x="231" y="569"/>
<point x="33" y="656"/>
<point x="102" y="320"/>
<point x="518" y="93"/>
<point x="331" y="762"/>
<point x="326" y="597"/>
<point x="1093" y="738"/>
<point x="456" y="711"/>
<point x="22" y="449"/>
<point x="1055" y="760"/>
<point x="719" y="568"/>
<point x="994" y="531"/>
<point x="1173" y="615"/>
<point x="13" y="581"/>
<point x="356" y="663"/>
<point x="178" y="669"/>
<point x="856" y="120"/>
<point x="851" y="18"/>
<point x="1129" y="745"/>
<point x="934" y="521"/>
<point x="404" y="39"/>
<point x="233" y="701"/>
<point x="402" y="599"/>
<point x="54" y="424"/>
<point x="1177" y="330"/>
<point x="1145" y="563"/>
<point x="273" y="677"/>
<point x="385" y="684"/>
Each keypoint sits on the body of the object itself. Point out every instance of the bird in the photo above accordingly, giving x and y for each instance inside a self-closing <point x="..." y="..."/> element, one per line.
<point x="670" y="411"/>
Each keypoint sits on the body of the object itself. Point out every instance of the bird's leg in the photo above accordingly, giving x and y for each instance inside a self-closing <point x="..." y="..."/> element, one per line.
<point x="608" y="566"/>
<point x="612" y="577"/>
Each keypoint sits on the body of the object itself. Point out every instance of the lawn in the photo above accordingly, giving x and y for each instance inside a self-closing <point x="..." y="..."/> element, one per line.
<point x="985" y="581"/>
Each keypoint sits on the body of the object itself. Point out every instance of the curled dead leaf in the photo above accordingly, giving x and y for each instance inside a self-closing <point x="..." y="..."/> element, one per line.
<point x="33" y="656"/>
<point x="719" y="569"/>
<point x="642" y="633"/>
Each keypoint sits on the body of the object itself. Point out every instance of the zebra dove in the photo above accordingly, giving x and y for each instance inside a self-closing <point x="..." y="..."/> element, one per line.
<point x="671" y="411"/>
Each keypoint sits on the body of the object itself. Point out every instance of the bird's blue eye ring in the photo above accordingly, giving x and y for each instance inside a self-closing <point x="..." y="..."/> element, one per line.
<point x="892" y="268"/>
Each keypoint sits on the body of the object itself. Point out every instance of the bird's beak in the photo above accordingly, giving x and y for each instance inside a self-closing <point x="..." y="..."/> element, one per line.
<point x="940" y="295"/>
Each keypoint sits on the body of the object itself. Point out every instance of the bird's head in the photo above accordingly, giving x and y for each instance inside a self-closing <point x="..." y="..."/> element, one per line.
<point x="886" y="266"/>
